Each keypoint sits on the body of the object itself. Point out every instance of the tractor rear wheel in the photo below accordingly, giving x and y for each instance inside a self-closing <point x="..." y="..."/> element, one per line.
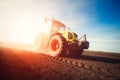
<point x="58" y="45"/>
<point x="39" y="41"/>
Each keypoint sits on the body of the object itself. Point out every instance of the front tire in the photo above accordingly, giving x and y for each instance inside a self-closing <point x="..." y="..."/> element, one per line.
<point x="58" y="45"/>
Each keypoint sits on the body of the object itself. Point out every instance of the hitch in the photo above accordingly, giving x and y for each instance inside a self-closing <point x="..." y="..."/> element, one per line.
<point x="83" y="38"/>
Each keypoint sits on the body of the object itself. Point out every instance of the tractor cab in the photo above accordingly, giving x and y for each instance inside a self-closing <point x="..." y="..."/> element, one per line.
<point x="56" y="26"/>
<point x="59" y="27"/>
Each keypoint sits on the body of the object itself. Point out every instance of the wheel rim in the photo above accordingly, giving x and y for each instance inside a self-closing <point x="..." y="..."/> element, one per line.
<point x="55" y="45"/>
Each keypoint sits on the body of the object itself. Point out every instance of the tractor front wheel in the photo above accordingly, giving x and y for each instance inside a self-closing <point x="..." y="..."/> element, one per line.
<point x="58" y="45"/>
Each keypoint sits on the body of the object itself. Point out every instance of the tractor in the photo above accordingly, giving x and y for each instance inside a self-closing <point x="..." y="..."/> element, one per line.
<point x="60" y="41"/>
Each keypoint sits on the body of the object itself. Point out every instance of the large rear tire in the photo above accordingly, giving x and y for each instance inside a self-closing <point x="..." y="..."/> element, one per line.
<point x="39" y="44"/>
<point x="58" y="45"/>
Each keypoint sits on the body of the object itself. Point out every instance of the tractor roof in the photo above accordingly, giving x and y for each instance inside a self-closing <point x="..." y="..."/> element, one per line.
<point x="56" y="23"/>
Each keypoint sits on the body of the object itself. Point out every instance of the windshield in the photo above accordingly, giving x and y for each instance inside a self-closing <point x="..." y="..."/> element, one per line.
<point x="63" y="28"/>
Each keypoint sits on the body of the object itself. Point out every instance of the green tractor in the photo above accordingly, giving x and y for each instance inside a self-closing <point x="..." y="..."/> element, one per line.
<point x="60" y="41"/>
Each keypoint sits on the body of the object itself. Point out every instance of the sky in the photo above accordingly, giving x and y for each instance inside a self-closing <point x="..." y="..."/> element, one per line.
<point x="21" y="20"/>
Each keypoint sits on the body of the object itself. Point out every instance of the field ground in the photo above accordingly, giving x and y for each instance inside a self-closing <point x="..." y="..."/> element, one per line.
<point x="17" y="63"/>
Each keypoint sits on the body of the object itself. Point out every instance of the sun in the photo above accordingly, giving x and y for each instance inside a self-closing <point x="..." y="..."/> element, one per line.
<point x="29" y="31"/>
<point x="24" y="32"/>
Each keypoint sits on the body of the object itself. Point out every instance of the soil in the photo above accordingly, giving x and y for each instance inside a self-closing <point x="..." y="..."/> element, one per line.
<point x="19" y="64"/>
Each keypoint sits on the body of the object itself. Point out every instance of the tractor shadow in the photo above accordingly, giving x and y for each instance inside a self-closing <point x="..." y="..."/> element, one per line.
<point x="96" y="58"/>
